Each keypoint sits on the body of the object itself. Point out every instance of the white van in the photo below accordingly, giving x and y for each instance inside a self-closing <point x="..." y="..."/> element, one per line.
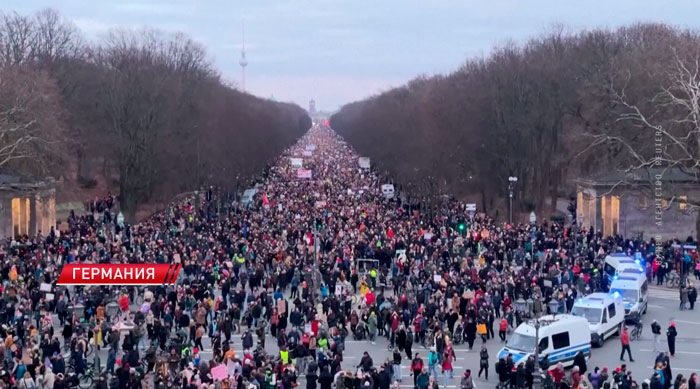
<point x="561" y="337"/>
<point x="634" y="291"/>
<point x="619" y="262"/>
<point x="604" y="313"/>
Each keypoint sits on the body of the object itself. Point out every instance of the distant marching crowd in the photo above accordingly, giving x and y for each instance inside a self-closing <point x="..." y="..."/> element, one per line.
<point x="293" y="264"/>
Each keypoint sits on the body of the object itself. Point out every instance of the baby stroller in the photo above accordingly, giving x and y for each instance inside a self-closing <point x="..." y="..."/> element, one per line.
<point x="360" y="331"/>
<point x="458" y="336"/>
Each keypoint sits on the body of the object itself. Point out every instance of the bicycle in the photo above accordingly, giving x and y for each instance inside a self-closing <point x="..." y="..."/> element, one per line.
<point x="672" y="280"/>
<point x="85" y="380"/>
<point x="636" y="333"/>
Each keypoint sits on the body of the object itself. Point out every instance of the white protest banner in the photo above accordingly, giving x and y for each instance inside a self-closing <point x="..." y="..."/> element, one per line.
<point x="307" y="153"/>
<point x="44" y="287"/>
<point x="388" y="191"/>
<point x="297" y="163"/>
<point x="304" y="173"/>
<point x="364" y="162"/>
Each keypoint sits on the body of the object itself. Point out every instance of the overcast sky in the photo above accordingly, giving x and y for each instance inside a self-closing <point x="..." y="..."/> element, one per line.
<point x="338" y="51"/>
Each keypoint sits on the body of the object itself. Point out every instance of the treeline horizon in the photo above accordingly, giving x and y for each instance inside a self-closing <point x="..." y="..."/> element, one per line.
<point x="140" y="111"/>
<point x="536" y="111"/>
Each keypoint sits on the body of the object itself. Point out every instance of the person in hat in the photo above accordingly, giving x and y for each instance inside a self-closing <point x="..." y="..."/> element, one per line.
<point x="671" y="334"/>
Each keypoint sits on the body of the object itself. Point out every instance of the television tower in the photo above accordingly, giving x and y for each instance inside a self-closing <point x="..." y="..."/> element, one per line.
<point x="243" y="62"/>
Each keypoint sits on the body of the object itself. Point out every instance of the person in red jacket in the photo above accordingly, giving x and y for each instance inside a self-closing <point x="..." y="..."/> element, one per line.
<point x="625" y="340"/>
<point x="558" y="374"/>
<point x="502" y="329"/>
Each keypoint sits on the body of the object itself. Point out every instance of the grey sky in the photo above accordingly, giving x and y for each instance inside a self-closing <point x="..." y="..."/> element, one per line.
<point x="337" y="51"/>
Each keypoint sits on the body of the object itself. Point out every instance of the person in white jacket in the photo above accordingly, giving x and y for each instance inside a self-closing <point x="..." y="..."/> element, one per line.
<point x="27" y="382"/>
<point x="46" y="379"/>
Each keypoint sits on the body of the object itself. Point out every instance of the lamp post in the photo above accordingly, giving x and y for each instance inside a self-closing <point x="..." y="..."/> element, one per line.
<point x="112" y="309"/>
<point x="77" y="310"/>
<point x="511" y="185"/>
<point x="553" y="306"/>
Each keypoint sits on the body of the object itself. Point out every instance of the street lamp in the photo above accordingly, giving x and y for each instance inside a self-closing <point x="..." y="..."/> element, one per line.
<point x="112" y="309"/>
<point x="553" y="306"/>
<point x="511" y="185"/>
<point x="520" y="305"/>
<point x="77" y="310"/>
<point x="537" y="323"/>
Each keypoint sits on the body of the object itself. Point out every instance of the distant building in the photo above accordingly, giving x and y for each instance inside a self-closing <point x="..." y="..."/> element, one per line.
<point x="26" y="207"/>
<point x="312" y="108"/>
<point x="637" y="204"/>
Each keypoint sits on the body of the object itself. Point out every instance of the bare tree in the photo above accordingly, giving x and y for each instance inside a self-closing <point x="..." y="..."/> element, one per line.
<point x="30" y="120"/>
<point x="662" y="134"/>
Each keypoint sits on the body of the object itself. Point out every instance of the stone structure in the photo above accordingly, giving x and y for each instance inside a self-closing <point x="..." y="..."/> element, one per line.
<point x="638" y="204"/>
<point x="26" y="207"/>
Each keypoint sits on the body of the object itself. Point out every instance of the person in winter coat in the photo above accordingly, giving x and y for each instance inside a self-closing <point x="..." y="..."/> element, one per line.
<point x="325" y="379"/>
<point x="502" y="371"/>
<point x="580" y="362"/>
<point x="484" y="363"/>
<point x="26" y="382"/>
<point x="423" y="380"/>
<point x="372" y="327"/>
<point x="625" y="341"/>
<point x="409" y="344"/>
<point x="416" y="368"/>
<point x="467" y="381"/>
<point x="594" y="378"/>
<point x="684" y="299"/>
<point x="447" y="371"/>
<point x="671" y="334"/>
<point x="575" y="377"/>
<point x="470" y="330"/>
<point x="396" y="364"/>
<point x="502" y="329"/>
<point x="311" y="379"/>
<point x="656" y="382"/>
<point x="656" y="332"/>
<point x="692" y="297"/>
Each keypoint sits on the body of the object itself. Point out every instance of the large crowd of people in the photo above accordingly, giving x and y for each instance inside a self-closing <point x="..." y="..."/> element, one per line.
<point x="314" y="259"/>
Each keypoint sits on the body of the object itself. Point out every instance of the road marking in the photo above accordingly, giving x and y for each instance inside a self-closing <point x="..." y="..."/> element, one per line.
<point x="678" y="352"/>
<point x="677" y="368"/>
<point x="656" y="306"/>
<point x="686" y="322"/>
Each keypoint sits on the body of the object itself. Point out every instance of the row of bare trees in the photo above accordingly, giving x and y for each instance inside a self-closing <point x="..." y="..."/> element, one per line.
<point x="563" y="105"/>
<point x="143" y="112"/>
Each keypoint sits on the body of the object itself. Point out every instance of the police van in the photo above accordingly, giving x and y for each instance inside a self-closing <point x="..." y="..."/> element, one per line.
<point x="620" y="263"/>
<point x="561" y="337"/>
<point x="634" y="291"/>
<point x="604" y="313"/>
